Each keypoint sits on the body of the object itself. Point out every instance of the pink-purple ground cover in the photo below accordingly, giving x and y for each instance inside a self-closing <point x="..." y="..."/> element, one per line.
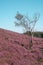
<point x="14" y="49"/>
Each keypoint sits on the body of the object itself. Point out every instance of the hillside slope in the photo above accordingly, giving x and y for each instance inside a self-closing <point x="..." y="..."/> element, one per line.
<point x="14" y="49"/>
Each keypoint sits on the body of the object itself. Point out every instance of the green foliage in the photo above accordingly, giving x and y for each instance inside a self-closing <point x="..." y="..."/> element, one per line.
<point x="35" y="34"/>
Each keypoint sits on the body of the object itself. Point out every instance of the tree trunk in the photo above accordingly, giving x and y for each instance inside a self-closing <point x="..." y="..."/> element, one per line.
<point x="31" y="39"/>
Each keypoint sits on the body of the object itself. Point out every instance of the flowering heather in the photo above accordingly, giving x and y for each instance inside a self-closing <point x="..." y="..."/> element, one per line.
<point x="14" y="49"/>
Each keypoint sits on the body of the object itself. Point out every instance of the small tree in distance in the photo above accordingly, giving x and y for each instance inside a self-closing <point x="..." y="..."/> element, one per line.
<point x="27" y="24"/>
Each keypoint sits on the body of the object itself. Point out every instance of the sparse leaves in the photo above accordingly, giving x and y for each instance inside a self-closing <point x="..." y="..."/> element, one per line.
<point x="27" y="23"/>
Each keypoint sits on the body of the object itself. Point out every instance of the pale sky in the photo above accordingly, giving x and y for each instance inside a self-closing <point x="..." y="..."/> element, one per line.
<point x="9" y="8"/>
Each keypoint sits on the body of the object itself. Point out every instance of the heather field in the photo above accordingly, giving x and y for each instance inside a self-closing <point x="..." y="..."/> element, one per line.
<point x="14" y="49"/>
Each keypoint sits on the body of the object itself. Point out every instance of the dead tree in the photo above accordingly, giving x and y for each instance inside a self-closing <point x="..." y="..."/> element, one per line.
<point x="27" y="24"/>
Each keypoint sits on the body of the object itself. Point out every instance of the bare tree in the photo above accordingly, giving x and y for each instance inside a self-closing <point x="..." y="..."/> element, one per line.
<point x="27" y="23"/>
